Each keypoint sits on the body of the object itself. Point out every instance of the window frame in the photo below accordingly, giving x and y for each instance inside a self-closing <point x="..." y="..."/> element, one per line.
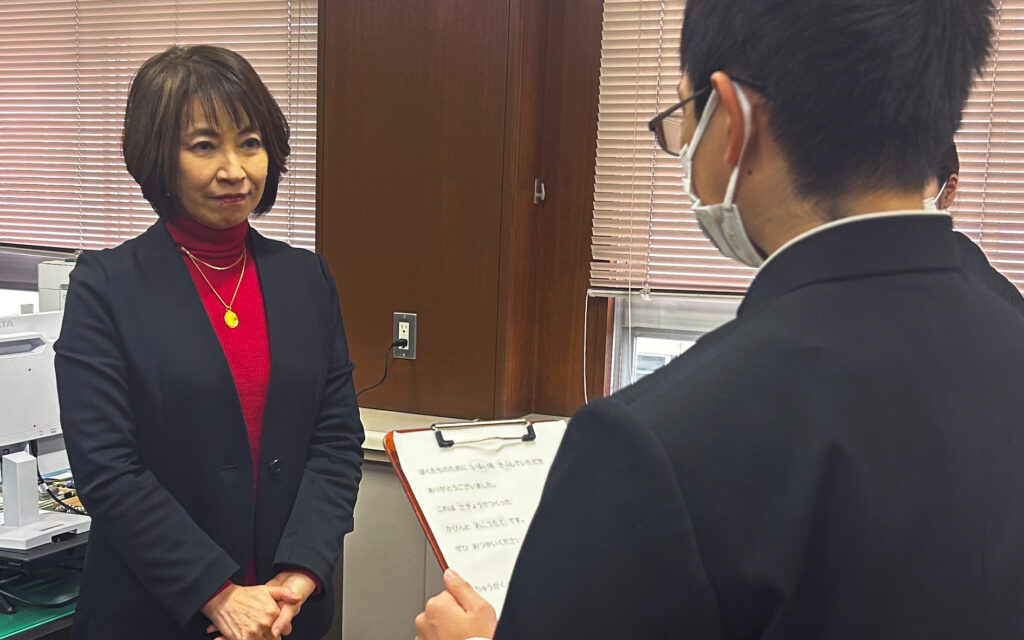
<point x="682" y="317"/>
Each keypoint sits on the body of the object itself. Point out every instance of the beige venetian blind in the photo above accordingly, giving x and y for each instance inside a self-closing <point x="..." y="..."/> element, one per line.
<point x="990" y="204"/>
<point x="65" y="69"/>
<point x="644" y="236"/>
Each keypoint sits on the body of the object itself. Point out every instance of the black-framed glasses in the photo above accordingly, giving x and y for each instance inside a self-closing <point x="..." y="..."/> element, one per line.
<point x="667" y="126"/>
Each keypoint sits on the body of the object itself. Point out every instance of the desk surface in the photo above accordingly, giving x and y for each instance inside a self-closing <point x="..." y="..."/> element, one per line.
<point x="377" y="422"/>
<point x="52" y="585"/>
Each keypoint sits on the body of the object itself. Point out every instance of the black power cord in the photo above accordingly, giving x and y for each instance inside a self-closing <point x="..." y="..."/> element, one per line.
<point x="7" y="599"/>
<point x="70" y="507"/>
<point x="387" y="358"/>
<point x="34" y="450"/>
<point x="32" y="603"/>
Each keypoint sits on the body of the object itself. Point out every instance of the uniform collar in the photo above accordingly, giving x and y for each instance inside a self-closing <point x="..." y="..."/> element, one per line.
<point x="858" y="246"/>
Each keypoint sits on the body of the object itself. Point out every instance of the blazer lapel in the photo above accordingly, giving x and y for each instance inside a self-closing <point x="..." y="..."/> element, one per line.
<point x="196" y="378"/>
<point x="290" y="392"/>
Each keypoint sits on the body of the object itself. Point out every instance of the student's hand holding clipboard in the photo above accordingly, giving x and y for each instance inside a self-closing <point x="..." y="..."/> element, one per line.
<point x="474" y="488"/>
<point x="457" y="613"/>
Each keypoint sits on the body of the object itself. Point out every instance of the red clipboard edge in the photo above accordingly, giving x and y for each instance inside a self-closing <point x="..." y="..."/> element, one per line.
<point x="389" y="448"/>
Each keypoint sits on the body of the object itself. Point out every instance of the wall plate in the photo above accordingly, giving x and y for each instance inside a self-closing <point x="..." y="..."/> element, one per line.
<point x="405" y="327"/>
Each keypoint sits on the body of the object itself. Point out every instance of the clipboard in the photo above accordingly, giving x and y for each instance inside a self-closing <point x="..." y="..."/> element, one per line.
<point x="474" y="487"/>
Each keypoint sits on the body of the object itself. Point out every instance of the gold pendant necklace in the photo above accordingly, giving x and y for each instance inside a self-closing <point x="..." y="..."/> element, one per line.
<point x="230" y="317"/>
<point x="213" y="266"/>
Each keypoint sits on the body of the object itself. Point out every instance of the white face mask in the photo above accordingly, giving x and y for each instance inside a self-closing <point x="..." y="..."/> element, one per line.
<point x="933" y="204"/>
<point x="721" y="223"/>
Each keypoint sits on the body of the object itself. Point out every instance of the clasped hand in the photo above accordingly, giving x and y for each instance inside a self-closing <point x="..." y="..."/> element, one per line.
<point x="260" y="612"/>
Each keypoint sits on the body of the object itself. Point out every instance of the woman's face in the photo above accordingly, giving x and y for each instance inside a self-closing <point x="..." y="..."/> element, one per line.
<point x="222" y="169"/>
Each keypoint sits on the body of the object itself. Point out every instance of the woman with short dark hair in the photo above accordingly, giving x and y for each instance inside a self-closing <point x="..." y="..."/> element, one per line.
<point x="204" y="379"/>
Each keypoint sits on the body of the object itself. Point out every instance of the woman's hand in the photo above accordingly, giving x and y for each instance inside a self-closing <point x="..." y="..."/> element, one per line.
<point x="301" y="585"/>
<point x="247" y="613"/>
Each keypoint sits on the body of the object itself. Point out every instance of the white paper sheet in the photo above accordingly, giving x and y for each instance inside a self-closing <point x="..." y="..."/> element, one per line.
<point x="479" y="498"/>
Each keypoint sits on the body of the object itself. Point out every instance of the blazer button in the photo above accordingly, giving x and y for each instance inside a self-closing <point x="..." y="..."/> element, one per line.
<point x="275" y="465"/>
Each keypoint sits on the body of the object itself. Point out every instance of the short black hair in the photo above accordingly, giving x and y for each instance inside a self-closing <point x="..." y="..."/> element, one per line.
<point x="949" y="165"/>
<point x="163" y="93"/>
<point x="859" y="92"/>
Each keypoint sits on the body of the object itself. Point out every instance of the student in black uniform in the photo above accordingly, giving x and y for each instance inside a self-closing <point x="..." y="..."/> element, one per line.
<point x="843" y="460"/>
<point x="939" y="195"/>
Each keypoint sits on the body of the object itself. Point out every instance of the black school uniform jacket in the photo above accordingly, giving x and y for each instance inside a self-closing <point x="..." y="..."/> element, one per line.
<point x="845" y="460"/>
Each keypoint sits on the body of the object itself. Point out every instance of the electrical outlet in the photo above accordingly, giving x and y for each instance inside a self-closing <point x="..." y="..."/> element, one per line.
<point x="405" y="329"/>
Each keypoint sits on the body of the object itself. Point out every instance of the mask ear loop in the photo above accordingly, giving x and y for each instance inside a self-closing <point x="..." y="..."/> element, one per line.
<point x="698" y="134"/>
<point x="938" y="196"/>
<point x="748" y="120"/>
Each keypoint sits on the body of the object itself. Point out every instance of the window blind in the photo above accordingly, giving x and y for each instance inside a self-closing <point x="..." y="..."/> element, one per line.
<point x="645" y="237"/>
<point x="990" y="201"/>
<point x="65" y="69"/>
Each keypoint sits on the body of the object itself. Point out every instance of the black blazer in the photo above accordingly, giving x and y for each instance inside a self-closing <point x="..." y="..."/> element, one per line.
<point x="158" y="445"/>
<point x="845" y="460"/>
<point x="975" y="263"/>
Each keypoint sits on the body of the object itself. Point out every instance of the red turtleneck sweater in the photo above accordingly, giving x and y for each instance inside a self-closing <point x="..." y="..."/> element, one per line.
<point x="247" y="346"/>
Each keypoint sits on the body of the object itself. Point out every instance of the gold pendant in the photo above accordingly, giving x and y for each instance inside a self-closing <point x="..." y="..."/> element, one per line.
<point x="231" y="318"/>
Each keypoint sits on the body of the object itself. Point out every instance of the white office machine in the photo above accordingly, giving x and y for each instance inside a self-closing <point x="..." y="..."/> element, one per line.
<point x="29" y="411"/>
<point x="28" y="386"/>
<point x="23" y="525"/>
<point x="53" y="283"/>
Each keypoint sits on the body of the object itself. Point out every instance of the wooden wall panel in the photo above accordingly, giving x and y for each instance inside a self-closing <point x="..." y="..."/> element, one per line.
<point x="569" y="149"/>
<point x="412" y="126"/>
<point x="517" y="285"/>
<point x="435" y="117"/>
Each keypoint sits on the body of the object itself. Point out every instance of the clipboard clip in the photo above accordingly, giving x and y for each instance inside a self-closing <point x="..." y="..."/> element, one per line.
<point x="444" y="443"/>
